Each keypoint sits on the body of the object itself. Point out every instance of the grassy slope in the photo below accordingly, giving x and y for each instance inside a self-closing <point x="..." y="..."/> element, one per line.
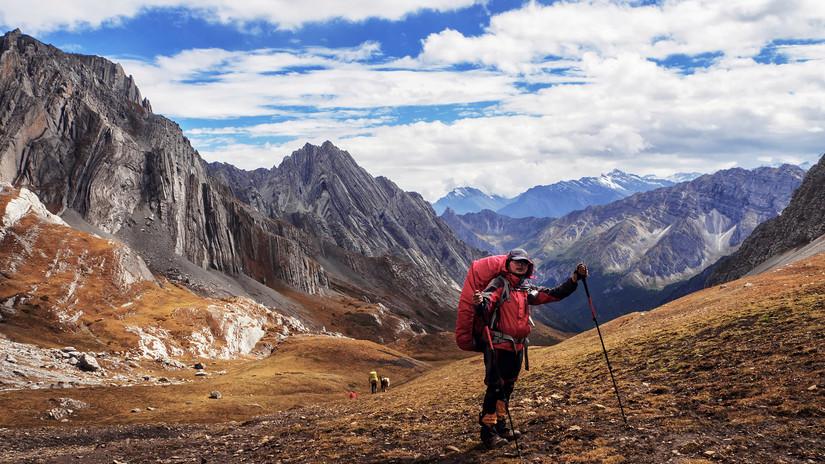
<point x="304" y="369"/>
<point x="722" y="375"/>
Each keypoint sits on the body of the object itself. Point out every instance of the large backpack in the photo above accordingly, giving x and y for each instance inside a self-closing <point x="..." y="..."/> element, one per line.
<point x="469" y="325"/>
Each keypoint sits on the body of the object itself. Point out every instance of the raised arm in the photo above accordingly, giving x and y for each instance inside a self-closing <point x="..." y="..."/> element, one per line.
<point x="548" y="295"/>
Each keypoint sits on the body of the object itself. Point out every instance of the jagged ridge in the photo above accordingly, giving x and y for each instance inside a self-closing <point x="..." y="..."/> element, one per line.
<point x="77" y="133"/>
<point x="802" y="222"/>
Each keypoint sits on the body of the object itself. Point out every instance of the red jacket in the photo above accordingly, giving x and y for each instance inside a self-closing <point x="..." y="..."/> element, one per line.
<point x="514" y="313"/>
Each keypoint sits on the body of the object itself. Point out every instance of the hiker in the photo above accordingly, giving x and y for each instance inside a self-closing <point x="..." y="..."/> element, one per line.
<point x="385" y="384"/>
<point x="373" y="381"/>
<point x="504" y="305"/>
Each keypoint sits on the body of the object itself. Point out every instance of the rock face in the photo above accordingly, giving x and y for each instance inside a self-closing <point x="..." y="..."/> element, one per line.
<point x="493" y="232"/>
<point x="78" y="134"/>
<point x="367" y="229"/>
<point x="639" y="245"/>
<point x="776" y="241"/>
<point x="469" y="200"/>
<point x="556" y="200"/>
<point x="323" y="191"/>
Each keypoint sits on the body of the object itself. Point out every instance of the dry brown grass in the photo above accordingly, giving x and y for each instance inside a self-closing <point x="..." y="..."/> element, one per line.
<point x="304" y="369"/>
<point x="718" y="376"/>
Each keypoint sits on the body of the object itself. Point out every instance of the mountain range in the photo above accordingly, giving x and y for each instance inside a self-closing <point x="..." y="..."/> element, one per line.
<point x="558" y="199"/>
<point x="641" y="247"/>
<point x="315" y="232"/>
<point x="469" y="200"/>
<point x="318" y="231"/>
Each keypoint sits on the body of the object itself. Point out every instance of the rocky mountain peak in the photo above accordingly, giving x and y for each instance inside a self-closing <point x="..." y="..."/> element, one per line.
<point x="323" y="189"/>
<point x="73" y="72"/>
<point x="311" y="161"/>
<point x="77" y="132"/>
<point x="790" y="236"/>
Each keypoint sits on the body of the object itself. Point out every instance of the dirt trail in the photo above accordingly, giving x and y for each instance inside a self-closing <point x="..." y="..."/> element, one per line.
<point x="732" y="374"/>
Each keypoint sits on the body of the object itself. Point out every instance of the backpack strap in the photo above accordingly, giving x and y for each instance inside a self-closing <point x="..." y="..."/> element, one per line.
<point x="495" y="284"/>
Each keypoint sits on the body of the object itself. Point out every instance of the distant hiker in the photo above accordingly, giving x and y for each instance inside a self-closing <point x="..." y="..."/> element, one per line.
<point x="496" y="321"/>
<point x="373" y="381"/>
<point x="385" y="383"/>
<point x="352" y="395"/>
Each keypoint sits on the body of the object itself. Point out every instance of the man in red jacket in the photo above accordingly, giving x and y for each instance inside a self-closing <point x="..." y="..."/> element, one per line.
<point x="506" y="304"/>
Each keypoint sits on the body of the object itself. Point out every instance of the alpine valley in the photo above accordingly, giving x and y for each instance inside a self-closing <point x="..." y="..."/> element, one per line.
<point x="641" y="248"/>
<point x="158" y="308"/>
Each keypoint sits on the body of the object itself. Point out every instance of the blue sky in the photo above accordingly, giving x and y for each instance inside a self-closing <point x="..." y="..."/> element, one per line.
<point x="501" y="95"/>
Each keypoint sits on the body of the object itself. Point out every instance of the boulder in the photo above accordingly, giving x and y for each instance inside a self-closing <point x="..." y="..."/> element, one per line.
<point x="88" y="363"/>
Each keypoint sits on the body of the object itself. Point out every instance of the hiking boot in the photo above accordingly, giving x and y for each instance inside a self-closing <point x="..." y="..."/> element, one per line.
<point x="490" y="438"/>
<point x="504" y="432"/>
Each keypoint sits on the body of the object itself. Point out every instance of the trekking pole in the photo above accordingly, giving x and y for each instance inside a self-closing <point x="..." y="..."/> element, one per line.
<point x="604" y="350"/>
<point x="512" y="427"/>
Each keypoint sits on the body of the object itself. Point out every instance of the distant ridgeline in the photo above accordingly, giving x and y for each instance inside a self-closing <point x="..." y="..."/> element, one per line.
<point x="556" y="200"/>
<point x="642" y="249"/>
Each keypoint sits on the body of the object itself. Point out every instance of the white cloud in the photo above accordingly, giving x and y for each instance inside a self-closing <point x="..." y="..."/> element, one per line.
<point x="215" y="83"/>
<point x="49" y="15"/>
<point x="248" y="156"/>
<point x="630" y="114"/>
<point x="311" y="126"/>
<point x="609" y="104"/>
<point x="517" y="39"/>
<point x="803" y="52"/>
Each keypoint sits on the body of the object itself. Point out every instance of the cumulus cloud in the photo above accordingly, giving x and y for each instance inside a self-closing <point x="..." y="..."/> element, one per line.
<point x="631" y="114"/>
<point x="49" y="15"/>
<point x="516" y="40"/>
<point x="568" y="89"/>
<point x="215" y="83"/>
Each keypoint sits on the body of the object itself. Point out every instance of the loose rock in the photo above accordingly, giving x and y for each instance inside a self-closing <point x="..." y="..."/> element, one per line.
<point x="88" y="363"/>
<point x="215" y="395"/>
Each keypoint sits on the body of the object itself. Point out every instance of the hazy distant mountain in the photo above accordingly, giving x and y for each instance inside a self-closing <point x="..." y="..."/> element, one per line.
<point x="638" y="246"/>
<point x="680" y="177"/>
<point x="556" y="200"/>
<point x="493" y="232"/>
<point x="469" y="200"/>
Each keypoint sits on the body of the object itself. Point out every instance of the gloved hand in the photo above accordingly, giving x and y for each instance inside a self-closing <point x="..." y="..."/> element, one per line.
<point x="580" y="272"/>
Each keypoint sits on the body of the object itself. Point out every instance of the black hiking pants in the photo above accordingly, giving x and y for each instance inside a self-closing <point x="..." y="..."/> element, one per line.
<point x="502" y="368"/>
